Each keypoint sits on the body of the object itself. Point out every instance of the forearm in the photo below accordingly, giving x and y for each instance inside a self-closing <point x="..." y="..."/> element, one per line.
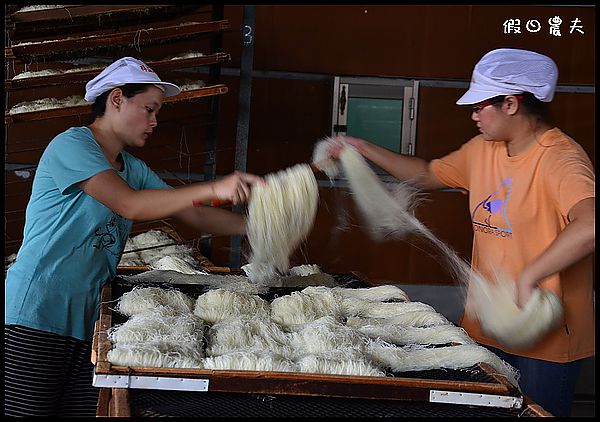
<point x="214" y="220"/>
<point x="151" y="204"/>
<point x="413" y="170"/>
<point x="575" y="242"/>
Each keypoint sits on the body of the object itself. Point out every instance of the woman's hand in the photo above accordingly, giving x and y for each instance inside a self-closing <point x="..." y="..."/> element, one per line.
<point x="234" y="188"/>
<point x="339" y="142"/>
<point x="525" y="286"/>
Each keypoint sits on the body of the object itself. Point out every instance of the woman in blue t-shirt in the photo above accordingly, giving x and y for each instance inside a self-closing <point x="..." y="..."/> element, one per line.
<point x="86" y="194"/>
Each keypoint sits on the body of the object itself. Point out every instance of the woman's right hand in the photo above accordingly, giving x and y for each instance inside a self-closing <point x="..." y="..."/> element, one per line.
<point x="339" y="142"/>
<point x="235" y="187"/>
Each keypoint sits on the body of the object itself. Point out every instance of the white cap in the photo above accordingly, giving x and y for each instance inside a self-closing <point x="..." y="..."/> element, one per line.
<point x="126" y="70"/>
<point x="508" y="71"/>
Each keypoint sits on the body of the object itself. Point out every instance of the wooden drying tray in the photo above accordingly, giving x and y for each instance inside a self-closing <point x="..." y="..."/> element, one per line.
<point x="169" y="230"/>
<point x="73" y="11"/>
<point x="143" y="36"/>
<point x="52" y="113"/>
<point x="86" y="75"/>
<point x="287" y="383"/>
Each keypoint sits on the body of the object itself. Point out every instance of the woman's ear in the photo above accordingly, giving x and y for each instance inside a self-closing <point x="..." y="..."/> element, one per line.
<point x="115" y="98"/>
<point x="511" y="104"/>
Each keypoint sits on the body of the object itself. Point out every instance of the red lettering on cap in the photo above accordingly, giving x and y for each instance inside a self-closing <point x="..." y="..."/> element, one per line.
<point x="145" y="68"/>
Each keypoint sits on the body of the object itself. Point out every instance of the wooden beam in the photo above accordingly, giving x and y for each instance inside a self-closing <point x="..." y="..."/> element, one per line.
<point x="119" y="403"/>
<point x="102" y="408"/>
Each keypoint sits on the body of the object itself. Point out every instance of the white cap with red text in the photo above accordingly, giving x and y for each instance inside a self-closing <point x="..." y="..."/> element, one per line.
<point x="126" y="70"/>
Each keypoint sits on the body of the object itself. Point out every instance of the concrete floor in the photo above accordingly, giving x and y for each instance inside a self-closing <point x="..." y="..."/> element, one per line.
<point x="448" y="300"/>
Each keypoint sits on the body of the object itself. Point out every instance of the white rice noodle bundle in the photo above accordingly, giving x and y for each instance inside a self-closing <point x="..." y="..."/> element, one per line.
<point x="151" y="246"/>
<point x="250" y="361"/>
<point x="261" y="272"/>
<point x="405" y="335"/>
<point x="300" y="308"/>
<point x="452" y="357"/>
<point x="175" y="263"/>
<point x="222" y="305"/>
<point x="281" y="214"/>
<point x="151" y="356"/>
<point x="184" y="329"/>
<point x="351" y="364"/>
<point x="152" y="255"/>
<point x="142" y="299"/>
<point x="135" y="244"/>
<point x="381" y="293"/>
<point x="324" y="335"/>
<point x="411" y="319"/>
<point x="495" y="305"/>
<point x="246" y="333"/>
<point x="353" y="306"/>
<point x="151" y="238"/>
<point x="305" y="270"/>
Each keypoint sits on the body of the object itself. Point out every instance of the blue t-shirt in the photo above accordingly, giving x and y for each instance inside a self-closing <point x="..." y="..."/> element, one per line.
<point x="72" y="243"/>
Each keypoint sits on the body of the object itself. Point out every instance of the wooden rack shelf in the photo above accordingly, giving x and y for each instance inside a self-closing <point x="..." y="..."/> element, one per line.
<point x="73" y="11"/>
<point x="53" y="113"/>
<point x="81" y="18"/>
<point x="138" y="37"/>
<point x="86" y="75"/>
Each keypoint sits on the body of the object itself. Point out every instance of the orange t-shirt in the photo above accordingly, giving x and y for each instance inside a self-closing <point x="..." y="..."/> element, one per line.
<point x="518" y="206"/>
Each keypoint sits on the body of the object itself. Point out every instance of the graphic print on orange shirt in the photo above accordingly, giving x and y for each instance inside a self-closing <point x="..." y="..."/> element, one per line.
<point x="491" y="212"/>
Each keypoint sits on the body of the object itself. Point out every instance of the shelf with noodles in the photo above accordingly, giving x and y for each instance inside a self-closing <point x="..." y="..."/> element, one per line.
<point x="482" y="378"/>
<point x="27" y="50"/>
<point x="83" y="76"/>
<point x="83" y="109"/>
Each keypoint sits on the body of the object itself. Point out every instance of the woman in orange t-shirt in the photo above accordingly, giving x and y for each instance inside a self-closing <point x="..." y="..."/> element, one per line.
<point x="531" y="198"/>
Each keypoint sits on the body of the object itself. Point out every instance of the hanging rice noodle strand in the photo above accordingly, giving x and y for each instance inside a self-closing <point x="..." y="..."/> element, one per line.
<point x="281" y="213"/>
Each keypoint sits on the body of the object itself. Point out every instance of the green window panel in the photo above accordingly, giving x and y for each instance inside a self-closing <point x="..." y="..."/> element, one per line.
<point x="378" y="120"/>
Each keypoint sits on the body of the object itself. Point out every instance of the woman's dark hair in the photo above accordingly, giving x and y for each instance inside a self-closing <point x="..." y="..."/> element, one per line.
<point x="129" y="90"/>
<point x="532" y="105"/>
